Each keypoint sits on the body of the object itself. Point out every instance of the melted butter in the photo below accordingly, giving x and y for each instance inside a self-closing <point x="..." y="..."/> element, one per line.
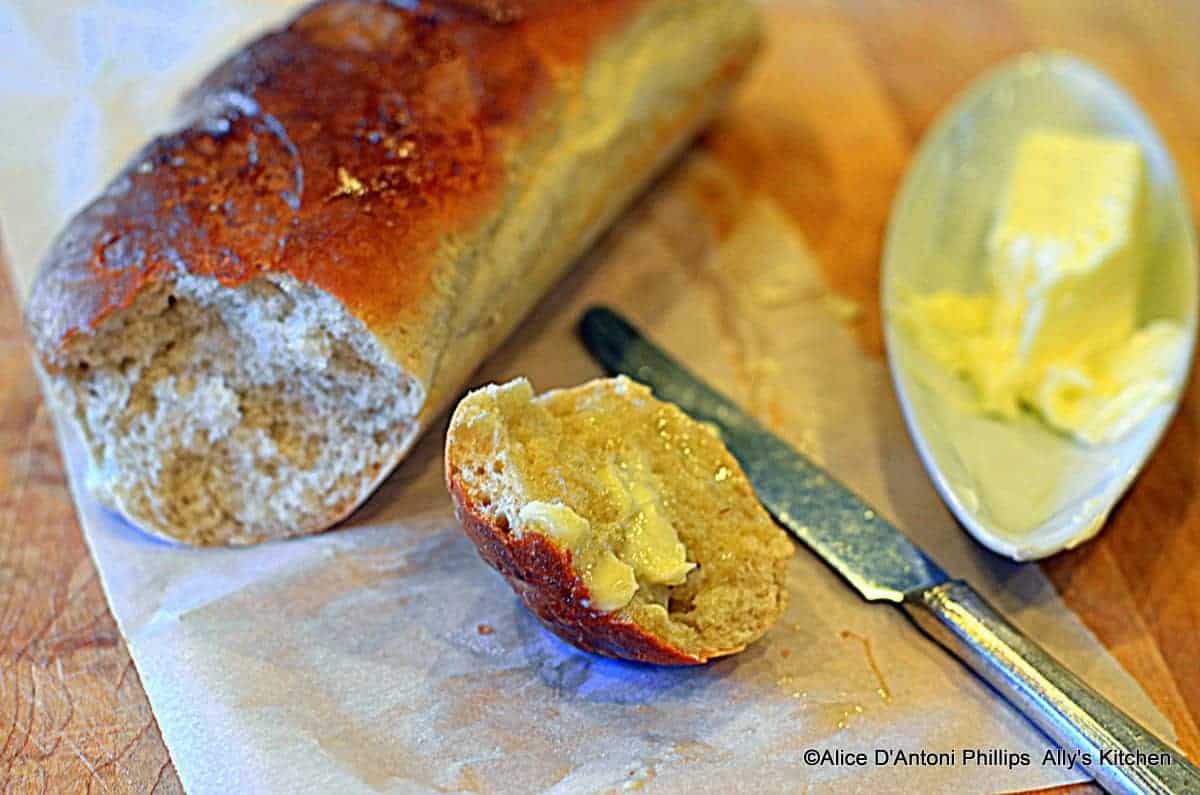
<point x="615" y="491"/>
<point x="611" y="582"/>
<point x="556" y="520"/>
<point x="646" y="552"/>
<point x="883" y="691"/>
<point x="651" y="544"/>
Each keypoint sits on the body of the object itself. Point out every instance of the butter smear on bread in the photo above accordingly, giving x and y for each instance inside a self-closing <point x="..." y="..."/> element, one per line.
<point x="1057" y="330"/>
<point x="650" y="551"/>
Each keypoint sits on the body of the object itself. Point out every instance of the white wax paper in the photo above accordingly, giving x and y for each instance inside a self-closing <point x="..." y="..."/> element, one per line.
<point x="385" y="656"/>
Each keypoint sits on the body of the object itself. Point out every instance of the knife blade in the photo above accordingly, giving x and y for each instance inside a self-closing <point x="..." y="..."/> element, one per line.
<point x="882" y="564"/>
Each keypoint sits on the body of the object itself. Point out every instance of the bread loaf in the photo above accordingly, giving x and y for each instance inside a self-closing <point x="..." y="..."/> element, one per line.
<point x="623" y="524"/>
<point x="259" y="316"/>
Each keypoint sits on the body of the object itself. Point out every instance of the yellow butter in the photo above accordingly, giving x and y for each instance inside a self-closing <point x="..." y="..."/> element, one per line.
<point x="649" y="552"/>
<point x="610" y="582"/>
<point x="1104" y="397"/>
<point x="557" y="520"/>
<point x="1055" y="329"/>
<point x="1064" y="258"/>
<point x="652" y="545"/>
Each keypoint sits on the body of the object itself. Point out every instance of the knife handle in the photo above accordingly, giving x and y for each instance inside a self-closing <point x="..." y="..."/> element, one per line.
<point x="1122" y="755"/>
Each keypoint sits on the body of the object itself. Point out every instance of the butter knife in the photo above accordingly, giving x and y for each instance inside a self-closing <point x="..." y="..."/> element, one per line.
<point x="885" y="566"/>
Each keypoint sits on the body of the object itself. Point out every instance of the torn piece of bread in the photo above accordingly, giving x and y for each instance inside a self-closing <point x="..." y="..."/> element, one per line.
<point x="622" y="523"/>
<point x="254" y="322"/>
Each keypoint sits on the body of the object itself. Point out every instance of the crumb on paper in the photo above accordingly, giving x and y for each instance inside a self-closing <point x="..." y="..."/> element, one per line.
<point x="484" y="629"/>
<point x="639" y="777"/>
<point x="403" y="149"/>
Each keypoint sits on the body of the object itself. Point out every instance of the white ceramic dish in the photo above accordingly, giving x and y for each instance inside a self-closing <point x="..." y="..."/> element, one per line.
<point x="1021" y="489"/>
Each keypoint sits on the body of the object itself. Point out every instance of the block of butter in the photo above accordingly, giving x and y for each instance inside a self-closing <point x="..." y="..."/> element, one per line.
<point x="1056" y="330"/>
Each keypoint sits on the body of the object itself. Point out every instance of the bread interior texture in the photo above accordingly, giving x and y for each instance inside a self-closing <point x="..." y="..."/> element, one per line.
<point x="219" y="415"/>
<point x="618" y="459"/>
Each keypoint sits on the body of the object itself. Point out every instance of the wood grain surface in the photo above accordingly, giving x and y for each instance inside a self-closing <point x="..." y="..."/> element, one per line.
<point x="826" y="126"/>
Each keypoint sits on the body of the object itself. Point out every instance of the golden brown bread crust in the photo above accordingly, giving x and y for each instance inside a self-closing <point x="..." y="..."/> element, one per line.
<point x="340" y="149"/>
<point x="544" y="579"/>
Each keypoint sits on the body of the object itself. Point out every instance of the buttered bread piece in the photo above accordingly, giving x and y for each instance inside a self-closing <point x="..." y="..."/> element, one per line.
<point x="1057" y="329"/>
<point x="623" y="524"/>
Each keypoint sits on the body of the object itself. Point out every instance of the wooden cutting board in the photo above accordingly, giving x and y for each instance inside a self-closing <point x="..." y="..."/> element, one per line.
<point x="825" y="127"/>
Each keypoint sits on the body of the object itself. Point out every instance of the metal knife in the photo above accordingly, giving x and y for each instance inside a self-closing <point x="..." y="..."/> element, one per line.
<point x="885" y="566"/>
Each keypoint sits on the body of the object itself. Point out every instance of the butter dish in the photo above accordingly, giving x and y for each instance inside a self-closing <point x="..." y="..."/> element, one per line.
<point x="1017" y="485"/>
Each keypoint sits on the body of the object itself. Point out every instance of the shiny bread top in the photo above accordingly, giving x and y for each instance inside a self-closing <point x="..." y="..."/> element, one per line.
<point x="343" y="149"/>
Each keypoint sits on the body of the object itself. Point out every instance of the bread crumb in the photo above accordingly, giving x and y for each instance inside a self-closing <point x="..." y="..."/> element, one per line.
<point x="484" y="629"/>
<point x="348" y="185"/>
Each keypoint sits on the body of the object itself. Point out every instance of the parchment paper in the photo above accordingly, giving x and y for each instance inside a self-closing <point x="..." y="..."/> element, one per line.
<point x="385" y="656"/>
